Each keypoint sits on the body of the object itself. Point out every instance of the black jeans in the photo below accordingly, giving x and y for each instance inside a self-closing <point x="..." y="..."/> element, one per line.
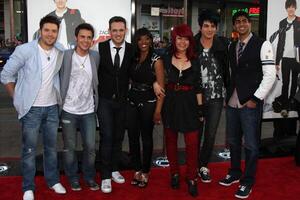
<point x="212" y="114"/>
<point x="111" y="116"/>
<point x="140" y="123"/>
<point x="289" y="65"/>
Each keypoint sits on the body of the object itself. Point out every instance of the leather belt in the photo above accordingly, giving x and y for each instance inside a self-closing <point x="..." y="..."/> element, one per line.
<point x="141" y="86"/>
<point x="177" y="87"/>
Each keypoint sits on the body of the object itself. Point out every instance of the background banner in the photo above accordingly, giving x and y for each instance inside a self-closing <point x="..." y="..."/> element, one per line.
<point x="275" y="103"/>
<point x="95" y="12"/>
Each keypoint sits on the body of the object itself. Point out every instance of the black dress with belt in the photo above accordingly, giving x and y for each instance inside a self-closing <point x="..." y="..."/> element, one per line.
<point x="143" y="76"/>
<point x="180" y="109"/>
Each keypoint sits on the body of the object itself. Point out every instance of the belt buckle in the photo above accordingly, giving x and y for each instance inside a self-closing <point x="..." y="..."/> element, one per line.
<point x="177" y="87"/>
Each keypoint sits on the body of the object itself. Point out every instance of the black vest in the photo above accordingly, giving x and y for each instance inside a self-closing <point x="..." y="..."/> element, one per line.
<point x="247" y="74"/>
<point x="113" y="83"/>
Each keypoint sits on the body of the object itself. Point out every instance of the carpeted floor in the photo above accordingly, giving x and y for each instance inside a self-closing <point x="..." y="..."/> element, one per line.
<point x="277" y="179"/>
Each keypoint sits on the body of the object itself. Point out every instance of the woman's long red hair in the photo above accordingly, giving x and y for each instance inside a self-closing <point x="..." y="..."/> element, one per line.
<point x="183" y="30"/>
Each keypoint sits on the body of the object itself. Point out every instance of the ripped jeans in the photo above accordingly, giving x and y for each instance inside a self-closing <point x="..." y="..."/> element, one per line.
<point x="38" y="120"/>
<point x="87" y="127"/>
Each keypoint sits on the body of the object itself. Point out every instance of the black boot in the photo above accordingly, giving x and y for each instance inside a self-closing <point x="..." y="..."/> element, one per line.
<point x="192" y="187"/>
<point x="175" y="181"/>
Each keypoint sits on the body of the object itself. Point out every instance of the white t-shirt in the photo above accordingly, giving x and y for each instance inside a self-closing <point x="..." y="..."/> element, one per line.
<point x="47" y="95"/>
<point x="289" y="50"/>
<point x="62" y="36"/>
<point x="79" y="99"/>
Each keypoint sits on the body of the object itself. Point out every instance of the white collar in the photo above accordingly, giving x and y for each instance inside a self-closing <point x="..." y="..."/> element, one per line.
<point x="112" y="45"/>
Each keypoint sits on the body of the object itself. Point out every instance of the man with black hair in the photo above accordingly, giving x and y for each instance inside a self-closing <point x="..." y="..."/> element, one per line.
<point x="252" y="76"/>
<point x="79" y="92"/>
<point x="31" y="78"/>
<point x="213" y="57"/>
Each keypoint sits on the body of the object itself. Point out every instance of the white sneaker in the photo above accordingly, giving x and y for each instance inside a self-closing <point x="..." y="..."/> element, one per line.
<point x="28" y="195"/>
<point x="117" y="177"/>
<point x="106" y="186"/>
<point x="59" y="189"/>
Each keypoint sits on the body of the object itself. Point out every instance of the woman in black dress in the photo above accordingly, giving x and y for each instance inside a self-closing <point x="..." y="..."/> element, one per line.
<point x="143" y="108"/>
<point x="182" y="110"/>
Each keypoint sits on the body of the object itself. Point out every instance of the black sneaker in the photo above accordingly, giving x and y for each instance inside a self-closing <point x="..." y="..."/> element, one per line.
<point x="175" y="181"/>
<point x="228" y="180"/>
<point x="204" y="175"/>
<point x="243" y="192"/>
<point x="192" y="188"/>
<point x="75" y="186"/>
<point x="93" y="185"/>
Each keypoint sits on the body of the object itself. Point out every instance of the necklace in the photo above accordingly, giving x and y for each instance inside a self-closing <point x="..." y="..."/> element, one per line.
<point x="81" y="66"/>
<point x="48" y="54"/>
<point x="180" y="62"/>
<point x="180" y="72"/>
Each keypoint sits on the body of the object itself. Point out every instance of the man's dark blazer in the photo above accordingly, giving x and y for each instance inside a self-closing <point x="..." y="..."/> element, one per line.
<point x="282" y="36"/>
<point x="113" y="83"/>
<point x="246" y="75"/>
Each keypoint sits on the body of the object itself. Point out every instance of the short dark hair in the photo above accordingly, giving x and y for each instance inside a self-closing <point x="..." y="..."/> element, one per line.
<point x="49" y="19"/>
<point x="84" y="26"/>
<point x="289" y="3"/>
<point x="117" y="19"/>
<point x="208" y="15"/>
<point x="239" y="14"/>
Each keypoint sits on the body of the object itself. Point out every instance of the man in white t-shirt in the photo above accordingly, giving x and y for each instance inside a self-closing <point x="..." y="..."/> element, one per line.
<point x="79" y="92"/>
<point x="31" y="78"/>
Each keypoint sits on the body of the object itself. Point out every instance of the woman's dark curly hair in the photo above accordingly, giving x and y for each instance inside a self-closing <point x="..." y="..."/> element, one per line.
<point x="138" y="34"/>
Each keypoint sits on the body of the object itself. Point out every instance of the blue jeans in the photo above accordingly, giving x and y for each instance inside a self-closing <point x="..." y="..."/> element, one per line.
<point x="245" y="121"/>
<point x="112" y="128"/>
<point x="42" y="120"/>
<point x="212" y="114"/>
<point x="87" y="126"/>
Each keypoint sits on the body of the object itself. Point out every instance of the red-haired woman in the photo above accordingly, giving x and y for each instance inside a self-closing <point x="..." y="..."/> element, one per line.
<point x="182" y="109"/>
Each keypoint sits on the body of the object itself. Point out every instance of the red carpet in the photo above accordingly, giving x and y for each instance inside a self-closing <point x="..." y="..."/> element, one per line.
<point x="277" y="178"/>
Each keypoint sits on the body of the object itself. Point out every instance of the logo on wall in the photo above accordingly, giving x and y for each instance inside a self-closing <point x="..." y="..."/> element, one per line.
<point x="103" y="36"/>
<point x="172" y="12"/>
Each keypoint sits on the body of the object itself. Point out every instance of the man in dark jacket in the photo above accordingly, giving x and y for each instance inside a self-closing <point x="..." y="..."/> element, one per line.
<point x="288" y="39"/>
<point x="252" y="76"/>
<point x="115" y="60"/>
<point x="213" y="59"/>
